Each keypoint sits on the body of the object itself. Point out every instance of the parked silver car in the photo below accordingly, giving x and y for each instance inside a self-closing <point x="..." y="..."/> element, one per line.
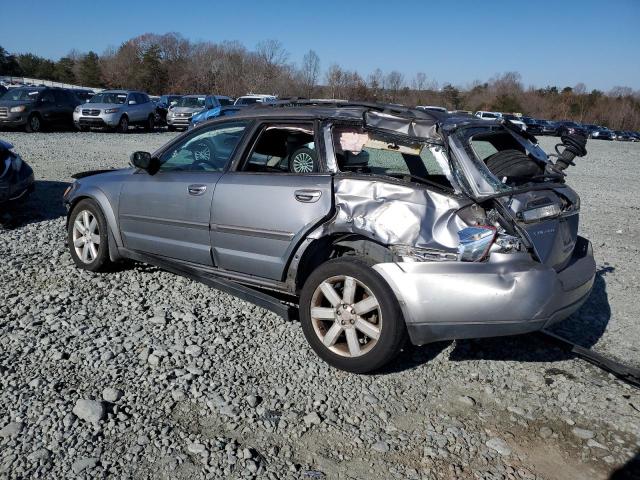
<point x="179" y="115"/>
<point x="393" y="222"/>
<point x="116" y="109"/>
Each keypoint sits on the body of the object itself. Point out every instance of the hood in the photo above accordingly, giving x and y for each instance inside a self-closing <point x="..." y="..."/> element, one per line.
<point x="100" y="106"/>
<point x="186" y="109"/>
<point x="5" y="145"/>
<point x="101" y="175"/>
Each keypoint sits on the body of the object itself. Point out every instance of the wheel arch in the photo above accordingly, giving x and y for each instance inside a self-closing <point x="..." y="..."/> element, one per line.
<point x="315" y="252"/>
<point x="101" y="199"/>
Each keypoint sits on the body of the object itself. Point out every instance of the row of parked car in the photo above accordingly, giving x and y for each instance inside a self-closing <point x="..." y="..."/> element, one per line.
<point x="547" y="127"/>
<point x="35" y="108"/>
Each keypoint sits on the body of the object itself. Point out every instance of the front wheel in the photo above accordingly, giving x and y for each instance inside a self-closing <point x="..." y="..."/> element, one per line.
<point x="123" y="125"/>
<point x="34" y="123"/>
<point x="350" y="316"/>
<point x="87" y="236"/>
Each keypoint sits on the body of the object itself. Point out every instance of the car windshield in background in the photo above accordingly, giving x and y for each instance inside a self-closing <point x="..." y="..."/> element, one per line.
<point x="246" y="101"/>
<point x="489" y="115"/>
<point x="510" y="117"/>
<point x="21" y="94"/>
<point x="191" y="102"/>
<point x="118" y="98"/>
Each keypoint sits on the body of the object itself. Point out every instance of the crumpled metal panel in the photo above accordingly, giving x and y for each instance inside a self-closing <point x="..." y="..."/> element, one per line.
<point x="396" y="214"/>
<point x="413" y="127"/>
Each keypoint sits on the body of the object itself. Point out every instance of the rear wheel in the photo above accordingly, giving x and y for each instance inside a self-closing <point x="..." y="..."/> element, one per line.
<point x="34" y="123"/>
<point x="151" y="124"/>
<point x="87" y="236"/>
<point x="350" y="316"/>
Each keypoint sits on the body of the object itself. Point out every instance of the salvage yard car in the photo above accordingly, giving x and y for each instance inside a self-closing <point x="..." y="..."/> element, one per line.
<point x="402" y="223"/>
<point x="36" y="108"/>
<point x="179" y="114"/>
<point x="116" y="110"/>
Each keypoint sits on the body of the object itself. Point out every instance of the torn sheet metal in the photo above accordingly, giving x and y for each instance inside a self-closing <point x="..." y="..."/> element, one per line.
<point x="412" y="127"/>
<point x="396" y="214"/>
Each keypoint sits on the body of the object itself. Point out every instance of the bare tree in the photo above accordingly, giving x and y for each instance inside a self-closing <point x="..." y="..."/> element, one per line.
<point x="394" y="83"/>
<point x="310" y="72"/>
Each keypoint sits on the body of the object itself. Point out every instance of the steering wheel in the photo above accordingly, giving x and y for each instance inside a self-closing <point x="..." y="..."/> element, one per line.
<point x="203" y="155"/>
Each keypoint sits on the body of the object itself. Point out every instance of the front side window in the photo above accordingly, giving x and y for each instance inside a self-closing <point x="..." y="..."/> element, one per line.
<point x="205" y="151"/>
<point x="284" y="149"/>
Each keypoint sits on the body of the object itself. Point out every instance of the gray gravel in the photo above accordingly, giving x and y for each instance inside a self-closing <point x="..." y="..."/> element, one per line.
<point x="139" y="373"/>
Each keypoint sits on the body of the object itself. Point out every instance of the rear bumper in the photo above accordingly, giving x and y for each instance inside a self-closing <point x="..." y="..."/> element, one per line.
<point x="510" y="294"/>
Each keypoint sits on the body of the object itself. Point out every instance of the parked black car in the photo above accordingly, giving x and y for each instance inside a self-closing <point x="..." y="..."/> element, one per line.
<point x="16" y="177"/>
<point x="34" y="108"/>
<point x="623" y="136"/>
<point x="599" y="132"/>
<point x="533" y="126"/>
<point x="84" y="94"/>
<point x="547" y="127"/>
<point x="162" y="107"/>
<point x="566" y="127"/>
<point x="3" y="89"/>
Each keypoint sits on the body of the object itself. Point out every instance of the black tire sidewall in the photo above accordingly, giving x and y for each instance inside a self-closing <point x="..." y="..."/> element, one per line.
<point x="393" y="330"/>
<point x="151" y="123"/>
<point x="29" y="128"/>
<point x="103" y="250"/>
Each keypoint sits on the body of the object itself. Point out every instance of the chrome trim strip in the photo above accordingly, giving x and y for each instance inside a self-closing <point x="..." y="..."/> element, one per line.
<point x="253" y="232"/>
<point x="180" y="223"/>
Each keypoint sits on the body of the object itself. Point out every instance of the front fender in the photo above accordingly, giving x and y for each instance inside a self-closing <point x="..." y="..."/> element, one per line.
<point x="104" y="202"/>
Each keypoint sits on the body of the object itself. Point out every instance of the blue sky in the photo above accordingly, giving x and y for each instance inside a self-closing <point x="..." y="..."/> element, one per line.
<point x="549" y="42"/>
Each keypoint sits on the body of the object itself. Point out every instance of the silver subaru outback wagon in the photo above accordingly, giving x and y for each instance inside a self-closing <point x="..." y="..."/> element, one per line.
<point x="379" y="223"/>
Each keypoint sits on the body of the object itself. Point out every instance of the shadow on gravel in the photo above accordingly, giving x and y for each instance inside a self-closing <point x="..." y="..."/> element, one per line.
<point x="45" y="203"/>
<point x="585" y="327"/>
<point x="629" y="471"/>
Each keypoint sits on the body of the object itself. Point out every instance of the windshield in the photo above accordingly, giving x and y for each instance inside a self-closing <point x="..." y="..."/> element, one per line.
<point x="191" y="102"/>
<point x="21" y="94"/>
<point x="109" y="97"/>
<point x="489" y="115"/>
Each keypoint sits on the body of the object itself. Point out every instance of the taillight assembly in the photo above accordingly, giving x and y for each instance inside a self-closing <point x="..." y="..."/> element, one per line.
<point x="475" y="242"/>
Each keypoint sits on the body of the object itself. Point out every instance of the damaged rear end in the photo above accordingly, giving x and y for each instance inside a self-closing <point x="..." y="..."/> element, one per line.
<point x="520" y="264"/>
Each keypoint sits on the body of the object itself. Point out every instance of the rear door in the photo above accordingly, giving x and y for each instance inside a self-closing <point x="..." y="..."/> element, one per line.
<point x="167" y="214"/>
<point x="261" y="208"/>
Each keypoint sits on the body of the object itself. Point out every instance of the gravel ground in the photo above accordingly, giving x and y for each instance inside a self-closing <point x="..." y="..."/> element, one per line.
<point x="138" y="373"/>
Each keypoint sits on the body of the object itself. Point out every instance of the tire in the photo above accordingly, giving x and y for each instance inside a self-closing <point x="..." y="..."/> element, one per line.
<point x="151" y="124"/>
<point x="303" y="160"/>
<point x="171" y="128"/>
<point x="123" y="125"/>
<point x="512" y="163"/>
<point x="93" y="259"/>
<point x="324" y="326"/>
<point x="34" y="123"/>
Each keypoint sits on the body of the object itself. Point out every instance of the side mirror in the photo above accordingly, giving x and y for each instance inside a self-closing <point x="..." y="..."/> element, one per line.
<point x="144" y="161"/>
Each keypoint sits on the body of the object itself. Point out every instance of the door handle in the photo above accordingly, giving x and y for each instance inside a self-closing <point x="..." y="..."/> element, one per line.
<point x="307" y="196"/>
<point x="197" y="189"/>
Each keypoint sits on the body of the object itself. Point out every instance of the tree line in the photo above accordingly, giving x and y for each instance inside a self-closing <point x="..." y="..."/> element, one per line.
<point x="170" y="63"/>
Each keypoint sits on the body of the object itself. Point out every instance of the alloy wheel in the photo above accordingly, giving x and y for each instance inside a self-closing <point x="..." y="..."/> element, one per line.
<point x="346" y="316"/>
<point x="86" y="236"/>
<point x="34" y="123"/>
<point x="303" y="163"/>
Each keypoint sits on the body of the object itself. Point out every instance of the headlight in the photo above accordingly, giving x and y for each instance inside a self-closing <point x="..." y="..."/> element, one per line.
<point x="475" y="242"/>
<point x="18" y="109"/>
<point x="77" y="109"/>
<point x="70" y="189"/>
<point x="111" y="110"/>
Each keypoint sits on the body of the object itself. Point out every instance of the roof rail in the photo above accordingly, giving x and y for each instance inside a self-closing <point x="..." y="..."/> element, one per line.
<point x="305" y="102"/>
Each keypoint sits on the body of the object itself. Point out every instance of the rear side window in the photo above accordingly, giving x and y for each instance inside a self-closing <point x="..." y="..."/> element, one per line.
<point x="284" y="149"/>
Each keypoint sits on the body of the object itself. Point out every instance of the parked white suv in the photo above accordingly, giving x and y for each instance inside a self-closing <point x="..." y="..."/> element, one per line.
<point x="498" y="115"/>
<point x="251" y="99"/>
<point x="117" y="109"/>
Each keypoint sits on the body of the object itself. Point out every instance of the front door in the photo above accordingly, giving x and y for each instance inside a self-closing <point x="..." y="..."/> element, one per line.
<point x="264" y="207"/>
<point x="168" y="213"/>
